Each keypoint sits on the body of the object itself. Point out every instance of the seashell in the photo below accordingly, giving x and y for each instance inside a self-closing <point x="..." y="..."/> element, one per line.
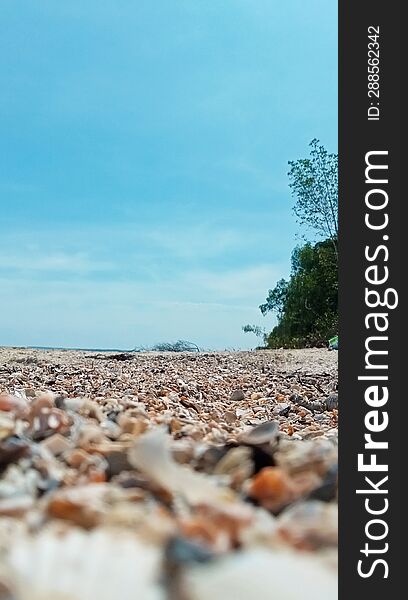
<point x="11" y="450"/>
<point x="318" y="455"/>
<point x="151" y="454"/>
<point x="273" y="488"/>
<point x="90" y="434"/>
<point x="206" y="532"/>
<point x="265" y="433"/>
<point x="261" y="574"/>
<point x="282" y="409"/>
<point x="71" y="404"/>
<point x="61" y="563"/>
<point x="44" y="401"/>
<point x="15" y="506"/>
<point x="132" y="425"/>
<point x="237" y="463"/>
<point x="182" y="451"/>
<point x="110" y="429"/>
<point x="83" y="505"/>
<point x="77" y="457"/>
<point x="56" y="444"/>
<point x="14" y="404"/>
<point x="230" y="416"/>
<point x="327" y="490"/>
<point x="18" y="482"/>
<point x="310" y="525"/>
<point x="7" y="425"/>
<point x="46" y="421"/>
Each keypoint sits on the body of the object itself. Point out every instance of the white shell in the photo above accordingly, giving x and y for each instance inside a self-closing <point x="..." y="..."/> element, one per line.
<point x="263" y="575"/>
<point x="102" y="564"/>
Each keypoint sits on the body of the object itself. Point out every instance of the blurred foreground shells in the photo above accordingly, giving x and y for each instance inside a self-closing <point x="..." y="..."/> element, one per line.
<point x="77" y="565"/>
<point x="168" y="477"/>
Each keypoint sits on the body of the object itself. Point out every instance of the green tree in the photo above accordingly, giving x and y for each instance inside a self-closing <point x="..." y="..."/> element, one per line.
<point x="314" y="183"/>
<point x="306" y="304"/>
<point x="257" y="330"/>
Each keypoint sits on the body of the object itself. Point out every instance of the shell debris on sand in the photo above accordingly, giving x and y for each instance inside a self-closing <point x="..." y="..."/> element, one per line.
<point x="168" y="476"/>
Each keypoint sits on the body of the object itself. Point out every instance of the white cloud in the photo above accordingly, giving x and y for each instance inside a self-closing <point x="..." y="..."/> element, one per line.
<point x="235" y="284"/>
<point x="90" y="293"/>
<point x="208" y="308"/>
<point x="55" y="262"/>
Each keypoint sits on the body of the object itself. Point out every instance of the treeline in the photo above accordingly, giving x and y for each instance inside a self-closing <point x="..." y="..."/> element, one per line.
<point x="306" y="305"/>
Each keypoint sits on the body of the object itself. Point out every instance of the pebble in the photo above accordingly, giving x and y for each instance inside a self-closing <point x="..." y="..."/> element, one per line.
<point x="237" y="395"/>
<point x="332" y="401"/>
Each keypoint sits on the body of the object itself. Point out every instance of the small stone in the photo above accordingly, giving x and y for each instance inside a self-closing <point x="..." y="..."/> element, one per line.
<point x="182" y="551"/>
<point x="322" y="418"/>
<point x="237" y="394"/>
<point x="282" y="409"/>
<point x="332" y="401"/>
<point x="117" y="462"/>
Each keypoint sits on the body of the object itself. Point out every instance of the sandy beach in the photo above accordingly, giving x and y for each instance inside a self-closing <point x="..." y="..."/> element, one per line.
<point x="181" y="475"/>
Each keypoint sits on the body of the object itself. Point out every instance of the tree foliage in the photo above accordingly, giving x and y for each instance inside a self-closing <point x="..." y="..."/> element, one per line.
<point x="306" y="304"/>
<point x="314" y="183"/>
<point x="257" y="330"/>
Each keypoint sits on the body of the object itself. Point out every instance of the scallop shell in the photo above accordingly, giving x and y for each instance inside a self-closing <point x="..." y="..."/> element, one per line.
<point x="73" y="564"/>
<point x="263" y="574"/>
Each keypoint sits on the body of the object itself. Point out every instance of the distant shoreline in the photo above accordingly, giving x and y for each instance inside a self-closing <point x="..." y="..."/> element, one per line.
<point x="62" y="348"/>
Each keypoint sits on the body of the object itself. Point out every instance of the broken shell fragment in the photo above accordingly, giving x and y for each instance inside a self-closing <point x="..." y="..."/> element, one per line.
<point x="265" y="433"/>
<point x="273" y="488"/>
<point x="11" y="450"/>
<point x="14" y="404"/>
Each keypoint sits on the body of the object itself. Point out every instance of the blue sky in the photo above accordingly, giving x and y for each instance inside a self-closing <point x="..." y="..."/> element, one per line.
<point x="143" y="163"/>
